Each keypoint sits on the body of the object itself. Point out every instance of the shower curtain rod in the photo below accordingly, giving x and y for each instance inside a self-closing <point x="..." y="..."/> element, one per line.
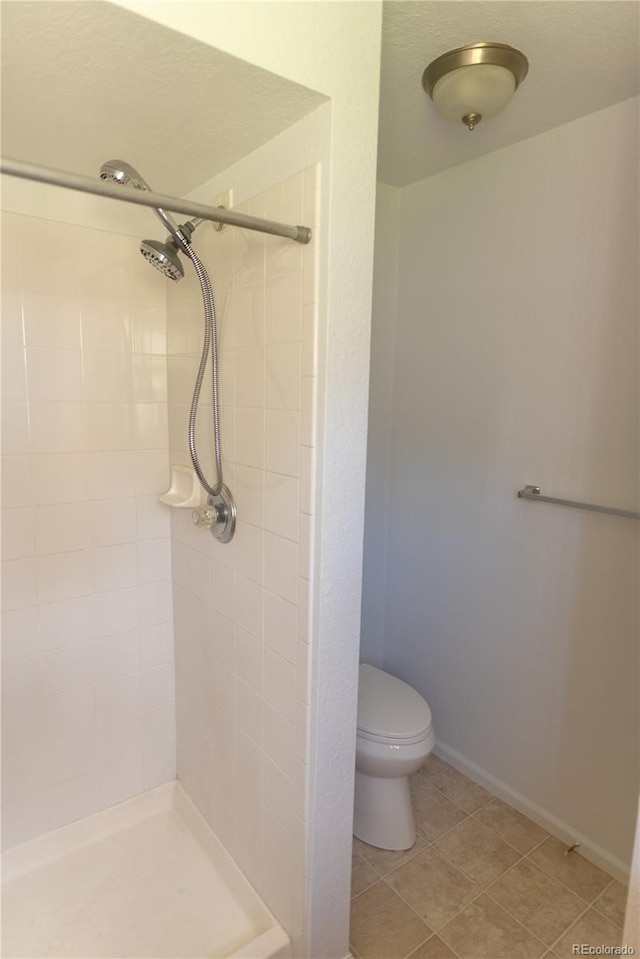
<point x="74" y="181"/>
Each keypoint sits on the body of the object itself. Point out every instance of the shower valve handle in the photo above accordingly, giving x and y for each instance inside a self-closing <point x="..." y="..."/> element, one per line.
<point x="205" y="516"/>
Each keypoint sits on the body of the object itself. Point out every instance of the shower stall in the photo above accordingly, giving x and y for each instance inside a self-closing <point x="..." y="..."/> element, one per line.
<point x="179" y="680"/>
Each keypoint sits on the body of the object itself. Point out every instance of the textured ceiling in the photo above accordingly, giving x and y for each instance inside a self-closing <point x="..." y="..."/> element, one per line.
<point x="84" y="82"/>
<point x="583" y="56"/>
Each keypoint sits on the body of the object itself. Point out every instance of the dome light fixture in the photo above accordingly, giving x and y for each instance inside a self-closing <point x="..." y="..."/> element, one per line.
<point x="474" y="82"/>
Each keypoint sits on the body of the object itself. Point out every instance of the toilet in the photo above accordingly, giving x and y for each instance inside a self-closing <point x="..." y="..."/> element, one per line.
<point x="395" y="736"/>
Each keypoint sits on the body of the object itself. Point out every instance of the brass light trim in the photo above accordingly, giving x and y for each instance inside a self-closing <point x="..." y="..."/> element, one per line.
<point x="497" y="54"/>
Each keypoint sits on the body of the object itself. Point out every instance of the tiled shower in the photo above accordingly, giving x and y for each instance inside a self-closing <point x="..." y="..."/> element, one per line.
<point x="101" y="581"/>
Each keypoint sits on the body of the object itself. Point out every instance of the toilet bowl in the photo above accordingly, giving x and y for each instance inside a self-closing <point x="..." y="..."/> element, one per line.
<point x="395" y="736"/>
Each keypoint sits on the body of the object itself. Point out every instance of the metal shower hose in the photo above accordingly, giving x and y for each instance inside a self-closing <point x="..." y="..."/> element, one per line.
<point x="209" y="344"/>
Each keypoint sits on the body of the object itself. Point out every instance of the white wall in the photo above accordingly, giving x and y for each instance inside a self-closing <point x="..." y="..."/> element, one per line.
<point x="87" y="679"/>
<point x="381" y="386"/>
<point x="333" y="48"/>
<point x="516" y="362"/>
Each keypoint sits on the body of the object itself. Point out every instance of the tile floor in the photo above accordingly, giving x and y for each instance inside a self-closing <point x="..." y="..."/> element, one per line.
<point x="481" y="882"/>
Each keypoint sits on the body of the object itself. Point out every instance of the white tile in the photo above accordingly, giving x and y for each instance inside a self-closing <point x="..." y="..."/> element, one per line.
<point x="280" y="617"/>
<point x="279" y="794"/>
<point x="153" y="518"/>
<point x="248" y="711"/>
<point x="282" y="495"/>
<point x="15" y="428"/>
<point x="279" y="740"/>
<point x="249" y="762"/>
<point x="155" y="645"/>
<point x="304" y="609"/>
<point x="152" y="472"/>
<point x="65" y="623"/>
<point x="22" y="728"/>
<point x="302" y="732"/>
<point x="68" y="713"/>
<point x="14" y="380"/>
<point x="305" y="558"/>
<point x="117" y="697"/>
<point x="250" y="374"/>
<point x="154" y="601"/>
<point x="17" y="533"/>
<point x="247" y="314"/>
<point x="114" y="612"/>
<point x="282" y="442"/>
<point x="219" y="637"/>
<point x="110" y="475"/>
<point x="250" y="552"/>
<point x="307" y="480"/>
<point x="223" y="590"/>
<point x="56" y="427"/>
<point x="248" y="659"/>
<point x="199" y="576"/>
<point x="150" y="330"/>
<point x="24" y="820"/>
<point x="108" y="426"/>
<point x="18" y="583"/>
<point x="308" y="416"/>
<point x="108" y="377"/>
<point x="154" y="560"/>
<point x="158" y="726"/>
<point x="21" y="681"/>
<point x="159" y="765"/>
<point x="157" y="686"/>
<point x="151" y="425"/>
<point x="283" y="299"/>
<point x="73" y="799"/>
<point x="249" y="606"/>
<point x="120" y="781"/>
<point x="281" y="567"/>
<point x="150" y="379"/>
<point x="20" y="633"/>
<point x="111" y="522"/>
<point x="106" y="324"/>
<point x="302" y="672"/>
<point x="250" y="438"/>
<point x="249" y="495"/>
<point x="22" y="777"/>
<point x="60" y="528"/>
<point x="51" y="322"/>
<point x="17" y="485"/>
<point x="283" y="380"/>
<point x="11" y="328"/>
<point x="113" y="567"/>
<point x="280" y="684"/>
<point x="69" y="668"/>
<point x="54" y="375"/>
<point x="116" y="656"/>
<point x="309" y="341"/>
<point x="57" y="478"/>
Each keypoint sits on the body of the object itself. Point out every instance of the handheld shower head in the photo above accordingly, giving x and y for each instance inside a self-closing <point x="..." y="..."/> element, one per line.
<point x="164" y="256"/>
<point x="117" y="171"/>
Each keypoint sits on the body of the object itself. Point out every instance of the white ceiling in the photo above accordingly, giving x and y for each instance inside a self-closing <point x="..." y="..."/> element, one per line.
<point x="86" y="81"/>
<point x="583" y="56"/>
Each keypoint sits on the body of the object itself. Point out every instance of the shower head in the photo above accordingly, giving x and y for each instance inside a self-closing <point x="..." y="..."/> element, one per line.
<point x="117" y="171"/>
<point x="164" y="256"/>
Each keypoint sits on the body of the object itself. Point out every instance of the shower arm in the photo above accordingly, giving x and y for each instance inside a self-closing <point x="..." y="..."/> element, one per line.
<point x="74" y="181"/>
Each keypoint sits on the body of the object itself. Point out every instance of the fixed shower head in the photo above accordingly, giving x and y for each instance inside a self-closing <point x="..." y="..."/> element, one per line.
<point x="117" y="171"/>
<point x="164" y="256"/>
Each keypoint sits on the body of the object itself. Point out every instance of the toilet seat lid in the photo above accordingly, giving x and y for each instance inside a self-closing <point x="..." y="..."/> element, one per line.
<point x="388" y="708"/>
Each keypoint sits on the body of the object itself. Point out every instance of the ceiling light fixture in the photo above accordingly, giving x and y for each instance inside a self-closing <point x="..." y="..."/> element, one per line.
<point x="474" y="82"/>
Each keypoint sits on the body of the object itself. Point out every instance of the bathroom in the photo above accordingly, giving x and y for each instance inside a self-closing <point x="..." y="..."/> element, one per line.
<point x="130" y="636"/>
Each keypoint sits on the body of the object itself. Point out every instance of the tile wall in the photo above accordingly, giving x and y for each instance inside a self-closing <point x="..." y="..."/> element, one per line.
<point x="241" y="610"/>
<point x="87" y="685"/>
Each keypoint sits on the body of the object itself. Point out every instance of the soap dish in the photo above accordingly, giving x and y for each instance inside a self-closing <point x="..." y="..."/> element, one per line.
<point x="185" y="491"/>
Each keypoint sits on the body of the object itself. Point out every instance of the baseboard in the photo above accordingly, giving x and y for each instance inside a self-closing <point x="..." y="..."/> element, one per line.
<point x="561" y="830"/>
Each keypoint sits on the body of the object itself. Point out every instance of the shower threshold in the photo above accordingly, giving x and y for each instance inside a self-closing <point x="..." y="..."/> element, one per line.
<point x="147" y="878"/>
